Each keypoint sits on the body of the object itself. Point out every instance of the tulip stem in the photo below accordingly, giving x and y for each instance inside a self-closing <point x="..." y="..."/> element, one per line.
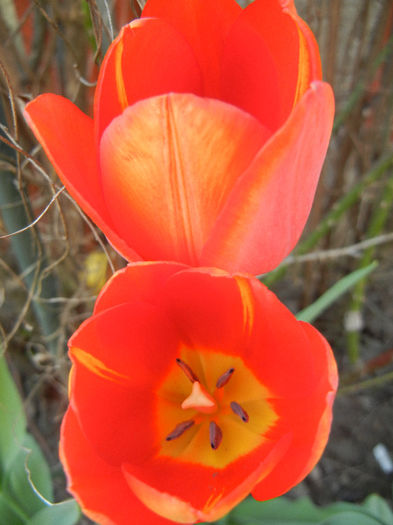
<point x="367" y="383"/>
<point x="376" y="225"/>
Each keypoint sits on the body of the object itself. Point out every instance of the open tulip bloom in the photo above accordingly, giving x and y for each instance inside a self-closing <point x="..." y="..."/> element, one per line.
<point x="210" y="127"/>
<point x="182" y="404"/>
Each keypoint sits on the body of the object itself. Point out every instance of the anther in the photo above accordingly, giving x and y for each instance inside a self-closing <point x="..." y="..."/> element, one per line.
<point x="215" y="435"/>
<point x="179" y="429"/>
<point x="239" y="411"/>
<point x="226" y="376"/>
<point x="187" y="370"/>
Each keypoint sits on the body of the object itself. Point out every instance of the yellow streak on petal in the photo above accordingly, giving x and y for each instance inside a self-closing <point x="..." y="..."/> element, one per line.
<point x="70" y="379"/>
<point x="121" y="89"/>
<point x="309" y="63"/>
<point x="184" y="216"/>
<point x="162" y="503"/>
<point x="303" y="79"/>
<point x="248" y="303"/>
<point x="97" y="367"/>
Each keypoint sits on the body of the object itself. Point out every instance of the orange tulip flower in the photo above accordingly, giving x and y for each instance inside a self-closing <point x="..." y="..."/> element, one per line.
<point x="181" y="404"/>
<point x="210" y="128"/>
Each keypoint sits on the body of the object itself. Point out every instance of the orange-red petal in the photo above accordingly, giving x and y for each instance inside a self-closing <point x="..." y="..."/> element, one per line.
<point x="141" y="281"/>
<point x="148" y="58"/>
<point x="213" y="299"/>
<point x="265" y="214"/>
<point x="100" y="488"/>
<point x="310" y="421"/>
<point x="67" y="136"/>
<point x="269" y="60"/>
<point x="193" y="493"/>
<point x="168" y="165"/>
<point x="253" y="324"/>
<point x="205" y="27"/>
<point x="119" y="357"/>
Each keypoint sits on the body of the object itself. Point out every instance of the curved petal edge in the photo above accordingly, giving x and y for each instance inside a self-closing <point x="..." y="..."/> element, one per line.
<point x="269" y="205"/>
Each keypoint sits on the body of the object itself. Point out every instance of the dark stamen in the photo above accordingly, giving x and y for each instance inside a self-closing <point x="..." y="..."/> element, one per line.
<point x="239" y="411"/>
<point x="187" y="370"/>
<point x="179" y="429"/>
<point x="223" y="380"/>
<point x="215" y="434"/>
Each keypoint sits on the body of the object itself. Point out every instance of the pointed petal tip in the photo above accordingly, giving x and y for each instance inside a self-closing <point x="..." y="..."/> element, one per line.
<point x="322" y="87"/>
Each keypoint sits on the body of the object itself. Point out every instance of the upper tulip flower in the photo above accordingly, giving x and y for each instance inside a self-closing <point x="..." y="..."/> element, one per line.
<point x="181" y="406"/>
<point x="211" y="124"/>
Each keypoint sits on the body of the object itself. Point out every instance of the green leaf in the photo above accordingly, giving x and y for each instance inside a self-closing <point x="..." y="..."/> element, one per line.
<point x="378" y="507"/>
<point x="28" y="477"/>
<point x="283" y="511"/>
<point x="12" y="417"/>
<point x="352" y="518"/>
<point x="313" y="311"/>
<point x="10" y="514"/>
<point x="24" y="473"/>
<point x="64" y="513"/>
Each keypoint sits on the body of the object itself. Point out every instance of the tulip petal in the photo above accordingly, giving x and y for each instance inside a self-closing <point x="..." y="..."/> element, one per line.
<point x="136" y="282"/>
<point x="196" y="495"/>
<point x="101" y="489"/>
<point x="67" y="136"/>
<point x="148" y="58"/>
<point x="205" y="27"/>
<point x="213" y="299"/>
<point x="268" y="207"/>
<point x="114" y="377"/>
<point x="269" y="60"/>
<point x="168" y="165"/>
<point x="250" y="320"/>
<point x="310" y="420"/>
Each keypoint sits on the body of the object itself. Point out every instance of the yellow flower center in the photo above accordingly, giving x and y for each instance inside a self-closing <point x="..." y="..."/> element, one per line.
<point x="211" y="409"/>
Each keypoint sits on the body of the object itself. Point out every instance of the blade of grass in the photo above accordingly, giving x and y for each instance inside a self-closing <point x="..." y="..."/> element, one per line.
<point x="342" y="286"/>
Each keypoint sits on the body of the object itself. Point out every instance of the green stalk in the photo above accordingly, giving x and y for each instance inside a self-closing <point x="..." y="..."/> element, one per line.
<point x="367" y="383"/>
<point x="376" y="226"/>
<point x="360" y="88"/>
